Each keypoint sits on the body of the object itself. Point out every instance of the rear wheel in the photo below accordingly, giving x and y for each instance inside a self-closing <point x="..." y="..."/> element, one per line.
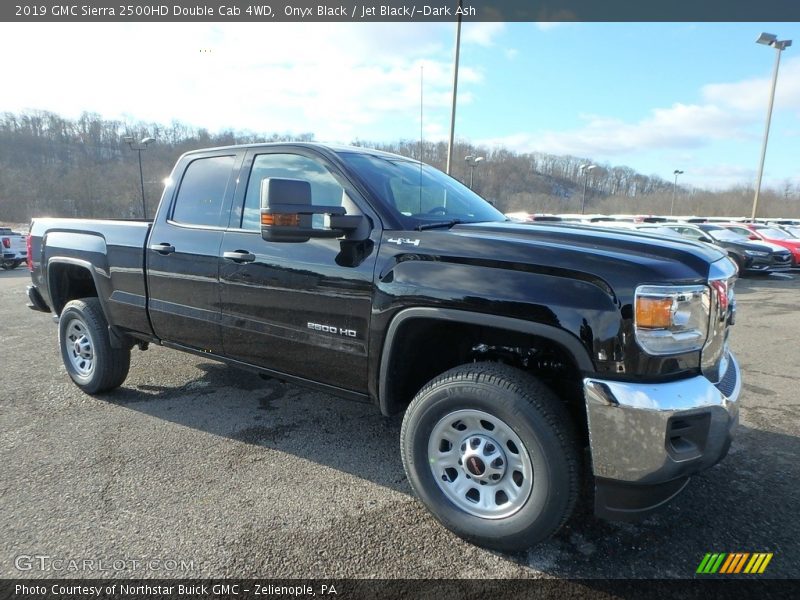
<point x="492" y="453"/>
<point x="92" y="363"/>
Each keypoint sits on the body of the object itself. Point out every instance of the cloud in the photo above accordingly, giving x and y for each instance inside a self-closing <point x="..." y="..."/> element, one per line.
<point x="720" y="175"/>
<point x="726" y="171"/>
<point x="678" y="127"/>
<point x="482" y="34"/>
<point x="728" y="120"/>
<point x="753" y="94"/>
<point x="337" y="80"/>
<point x="548" y="25"/>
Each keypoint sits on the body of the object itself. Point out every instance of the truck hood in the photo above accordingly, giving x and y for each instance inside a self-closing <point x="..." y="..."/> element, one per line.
<point x="622" y="258"/>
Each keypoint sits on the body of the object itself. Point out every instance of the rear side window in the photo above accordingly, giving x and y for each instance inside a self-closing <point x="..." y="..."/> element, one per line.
<point x="202" y="191"/>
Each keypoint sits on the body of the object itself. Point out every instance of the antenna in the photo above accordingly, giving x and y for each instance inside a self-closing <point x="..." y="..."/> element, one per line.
<point x="421" y="86"/>
<point x="421" y="89"/>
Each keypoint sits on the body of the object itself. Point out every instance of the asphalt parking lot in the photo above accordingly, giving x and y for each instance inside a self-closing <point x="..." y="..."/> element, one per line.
<point x="196" y="469"/>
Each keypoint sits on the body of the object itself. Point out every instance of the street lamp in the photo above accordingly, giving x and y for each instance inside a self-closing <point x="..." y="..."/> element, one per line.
<point x="472" y="161"/>
<point x="768" y="39"/>
<point x="455" y="91"/>
<point x="676" y="172"/>
<point x="128" y="139"/>
<point x="585" y="170"/>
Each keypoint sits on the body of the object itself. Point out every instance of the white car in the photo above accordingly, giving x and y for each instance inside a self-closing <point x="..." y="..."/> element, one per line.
<point x="15" y="249"/>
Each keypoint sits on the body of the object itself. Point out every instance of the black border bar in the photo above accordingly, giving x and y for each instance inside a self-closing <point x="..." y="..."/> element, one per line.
<point x="710" y="588"/>
<point x="399" y="10"/>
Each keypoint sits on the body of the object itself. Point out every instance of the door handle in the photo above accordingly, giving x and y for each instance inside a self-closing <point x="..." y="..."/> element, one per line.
<point x="163" y="248"/>
<point x="239" y="256"/>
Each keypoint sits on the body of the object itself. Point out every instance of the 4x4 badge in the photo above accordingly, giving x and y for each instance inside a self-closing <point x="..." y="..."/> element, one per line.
<point x="400" y="241"/>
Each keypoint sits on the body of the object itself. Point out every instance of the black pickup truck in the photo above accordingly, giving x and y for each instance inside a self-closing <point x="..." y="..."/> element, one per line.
<point x="524" y="356"/>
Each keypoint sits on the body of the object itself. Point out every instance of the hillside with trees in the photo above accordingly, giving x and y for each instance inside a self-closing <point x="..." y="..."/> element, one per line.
<point x="50" y="165"/>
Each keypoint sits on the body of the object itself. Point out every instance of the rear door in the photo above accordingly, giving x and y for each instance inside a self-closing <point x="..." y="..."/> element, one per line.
<point x="183" y="250"/>
<point x="298" y="308"/>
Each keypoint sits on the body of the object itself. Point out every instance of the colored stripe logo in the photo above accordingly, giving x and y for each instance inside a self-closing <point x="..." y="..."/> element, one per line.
<point x="733" y="563"/>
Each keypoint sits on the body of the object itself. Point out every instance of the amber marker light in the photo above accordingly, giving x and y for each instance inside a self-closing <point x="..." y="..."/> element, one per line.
<point x="654" y="313"/>
<point x="280" y="220"/>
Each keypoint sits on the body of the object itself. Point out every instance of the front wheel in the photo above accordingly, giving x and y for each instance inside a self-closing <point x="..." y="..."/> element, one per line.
<point x="492" y="454"/>
<point x="92" y="363"/>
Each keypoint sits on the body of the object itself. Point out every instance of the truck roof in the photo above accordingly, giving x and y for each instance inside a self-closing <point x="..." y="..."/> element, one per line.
<point x="335" y="148"/>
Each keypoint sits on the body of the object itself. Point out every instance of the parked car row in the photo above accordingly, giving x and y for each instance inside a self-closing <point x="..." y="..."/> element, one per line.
<point x="763" y="246"/>
<point x="751" y="256"/>
<point x="640" y="218"/>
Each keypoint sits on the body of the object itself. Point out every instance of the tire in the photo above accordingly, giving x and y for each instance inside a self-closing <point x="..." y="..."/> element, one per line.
<point x="517" y="438"/>
<point x="86" y="350"/>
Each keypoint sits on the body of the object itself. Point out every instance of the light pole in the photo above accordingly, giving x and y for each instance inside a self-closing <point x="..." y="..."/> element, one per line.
<point x="128" y="139"/>
<point x="676" y="172"/>
<point x="455" y="92"/>
<point x="768" y="39"/>
<point x="472" y="162"/>
<point x="585" y="170"/>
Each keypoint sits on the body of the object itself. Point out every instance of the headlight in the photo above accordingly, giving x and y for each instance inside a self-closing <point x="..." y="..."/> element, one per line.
<point x="756" y="253"/>
<point x="672" y="319"/>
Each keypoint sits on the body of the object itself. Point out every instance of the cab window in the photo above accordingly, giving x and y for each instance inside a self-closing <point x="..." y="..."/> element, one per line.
<point x="325" y="188"/>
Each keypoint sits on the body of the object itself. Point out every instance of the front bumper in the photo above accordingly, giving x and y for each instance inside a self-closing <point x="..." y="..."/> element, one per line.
<point x="757" y="264"/>
<point x="647" y="439"/>
<point x="779" y="263"/>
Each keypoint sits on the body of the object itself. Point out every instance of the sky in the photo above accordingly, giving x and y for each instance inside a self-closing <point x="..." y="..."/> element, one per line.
<point x="651" y="96"/>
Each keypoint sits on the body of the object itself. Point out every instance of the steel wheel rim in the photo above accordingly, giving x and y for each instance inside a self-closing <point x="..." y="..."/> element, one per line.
<point x="79" y="347"/>
<point x="480" y="464"/>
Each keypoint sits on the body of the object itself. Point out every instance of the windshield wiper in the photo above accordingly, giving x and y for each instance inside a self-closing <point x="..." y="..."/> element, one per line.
<point x="438" y="224"/>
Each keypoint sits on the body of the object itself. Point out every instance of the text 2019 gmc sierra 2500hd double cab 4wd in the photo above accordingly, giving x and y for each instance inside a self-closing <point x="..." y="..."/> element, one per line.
<point x="512" y="348"/>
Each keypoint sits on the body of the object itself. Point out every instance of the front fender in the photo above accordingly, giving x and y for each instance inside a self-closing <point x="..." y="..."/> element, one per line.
<point x="571" y="344"/>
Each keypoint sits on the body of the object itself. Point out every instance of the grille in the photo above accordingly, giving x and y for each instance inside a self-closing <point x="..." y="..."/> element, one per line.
<point x="782" y="258"/>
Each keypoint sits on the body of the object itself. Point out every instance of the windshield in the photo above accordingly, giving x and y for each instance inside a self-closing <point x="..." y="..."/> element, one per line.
<point x="742" y="234"/>
<point x="418" y="193"/>
<point x="659" y="231"/>
<point x="771" y="232"/>
<point x="725" y="235"/>
<point x="795" y="231"/>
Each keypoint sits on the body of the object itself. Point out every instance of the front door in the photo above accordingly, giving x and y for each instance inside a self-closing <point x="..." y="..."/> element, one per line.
<point x="297" y="308"/>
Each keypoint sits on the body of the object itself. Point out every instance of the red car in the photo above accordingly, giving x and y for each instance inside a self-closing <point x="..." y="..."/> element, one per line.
<point x="772" y="234"/>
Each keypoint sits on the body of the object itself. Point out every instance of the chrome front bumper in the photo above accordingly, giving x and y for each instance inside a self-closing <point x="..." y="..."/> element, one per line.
<point x="655" y="435"/>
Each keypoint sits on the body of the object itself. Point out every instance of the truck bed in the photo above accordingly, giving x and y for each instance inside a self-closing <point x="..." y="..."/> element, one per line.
<point x="112" y="250"/>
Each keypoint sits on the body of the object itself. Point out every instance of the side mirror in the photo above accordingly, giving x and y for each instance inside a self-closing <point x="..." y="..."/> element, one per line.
<point x="753" y="237"/>
<point x="287" y="214"/>
<point x="706" y="239"/>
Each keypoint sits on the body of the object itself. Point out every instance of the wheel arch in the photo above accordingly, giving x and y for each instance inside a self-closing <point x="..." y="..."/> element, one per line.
<point x="403" y="327"/>
<point x="71" y="278"/>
